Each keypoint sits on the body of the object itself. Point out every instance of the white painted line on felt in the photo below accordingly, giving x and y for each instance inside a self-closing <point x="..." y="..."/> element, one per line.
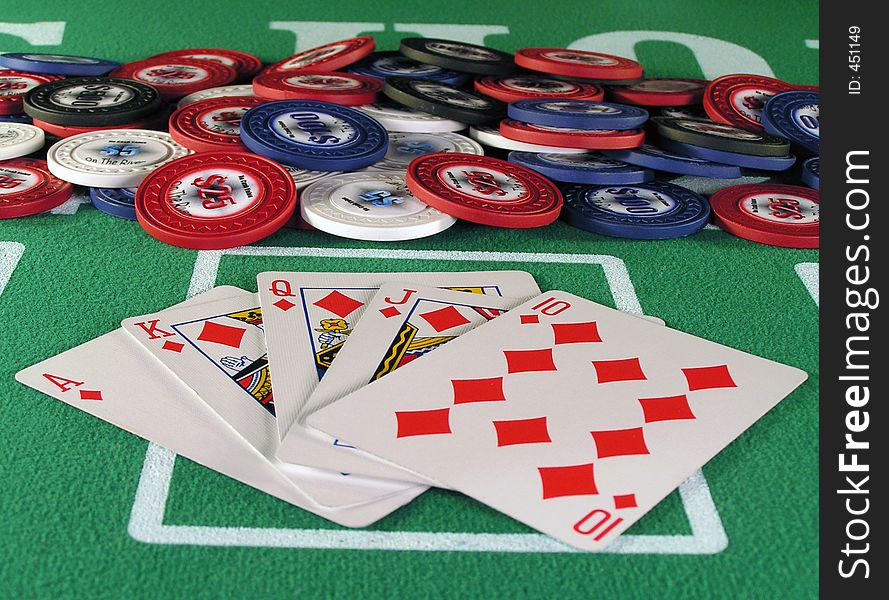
<point x="808" y="272"/>
<point x="10" y="254"/>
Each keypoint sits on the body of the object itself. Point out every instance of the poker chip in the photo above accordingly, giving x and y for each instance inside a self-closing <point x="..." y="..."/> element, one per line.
<point x="156" y="121"/>
<point x="56" y="64"/>
<point x="329" y="57"/>
<point x="28" y="188"/>
<point x="772" y="214"/>
<point x="19" y="139"/>
<point x="443" y="100"/>
<point x="578" y="63"/>
<point x="491" y="136"/>
<point x="224" y="91"/>
<point x="458" y="56"/>
<point x="382" y="65"/>
<point x="14" y="86"/>
<point x="304" y="177"/>
<point x="398" y="118"/>
<point x="695" y="113"/>
<point x="661" y="92"/>
<point x="405" y="147"/>
<point x="578" y="114"/>
<point x="511" y="88"/>
<point x="370" y="206"/>
<point x="811" y="172"/>
<point x="19" y="118"/>
<point x="177" y="77"/>
<point x="318" y="136"/>
<point x="655" y="210"/>
<point x="484" y="190"/>
<point x="92" y="102"/>
<point x="588" y="139"/>
<point x="738" y="99"/>
<point x="588" y="168"/>
<point x="794" y="116"/>
<point x="719" y="136"/>
<point x="215" y="200"/>
<point x="213" y="124"/>
<point x="245" y="65"/>
<point x="117" y="202"/>
<point x="608" y="82"/>
<point x="750" y="161"/>
<point x="339" y="88"/>
<point x="653" y="157"/>
<point x="114" y="158"/>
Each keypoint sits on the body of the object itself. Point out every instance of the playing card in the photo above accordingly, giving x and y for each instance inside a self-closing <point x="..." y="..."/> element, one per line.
<point x="114" y="379"/>
<point x="218" y="350"/>
<point x="571" y="417"/>
<point x="401" y="323"/>
<point x="309" y="316"/>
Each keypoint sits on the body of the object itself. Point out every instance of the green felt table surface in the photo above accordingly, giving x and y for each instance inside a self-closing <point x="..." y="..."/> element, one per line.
<point x="71" y="525"/>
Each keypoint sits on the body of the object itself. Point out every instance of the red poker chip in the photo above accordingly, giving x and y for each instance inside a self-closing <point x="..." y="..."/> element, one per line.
<point x="512" y="88"/>
<point x="246" y="65"/>
<point x="340" y="88"/>
<point x="738" y="99"/>
<point x="667" y="91"/>
<point x="773" y="214"/>
<point x="177" y="77"/>
<point x="28" y="188"/>
<point x="484" y="190"/>
<point x="808" y="88"/>
<point x="156" y="121"/>
<point x="15" y="84"/>
<point x="578" y="63"/>
<point x="588" y="139"/>
<point x="213" y="124"/>
<point x="215" y="200"/>
<point x="328" y="57"/>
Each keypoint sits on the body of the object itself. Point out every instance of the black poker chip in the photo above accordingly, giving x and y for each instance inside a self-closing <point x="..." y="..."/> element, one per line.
<point x="458" y="56"/>
<point x="444" y="100"/>
<point x="720" y="136"/>
<point x="92" y="101"/>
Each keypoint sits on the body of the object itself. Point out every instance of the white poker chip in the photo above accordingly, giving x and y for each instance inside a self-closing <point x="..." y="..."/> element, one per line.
<point x="224" y="91"/>
<point x="370" y="206"/>
<point x="491" y="136"/>
<point x="405" y="147"/>
<point x="113" y="158"/>
<point x="19" y="139"/>
<point x="398" y="118"/>
<point x="303" y="177"/>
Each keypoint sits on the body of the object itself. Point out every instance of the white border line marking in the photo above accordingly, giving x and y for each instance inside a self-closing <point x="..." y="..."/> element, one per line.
<point x="808" y="272"/>
<point x="146" y="518"/>
<point x="10" y="254"/>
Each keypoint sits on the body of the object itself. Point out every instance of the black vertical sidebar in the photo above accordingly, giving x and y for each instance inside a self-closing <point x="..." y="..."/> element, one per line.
<point x="854" y="261"/>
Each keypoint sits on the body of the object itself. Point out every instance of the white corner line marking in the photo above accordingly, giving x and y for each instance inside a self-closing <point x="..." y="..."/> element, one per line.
<point x="10" y="254"/>
<point x="147" y="515"/>
<point x="808" y="273"/>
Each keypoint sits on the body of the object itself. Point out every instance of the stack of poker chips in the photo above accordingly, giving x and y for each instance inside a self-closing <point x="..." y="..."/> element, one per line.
<point x="396" y="145"/>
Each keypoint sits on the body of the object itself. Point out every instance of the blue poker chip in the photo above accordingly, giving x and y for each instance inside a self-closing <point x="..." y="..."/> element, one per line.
<point x="811" y="174"/>
<point x="312" y="135"/>
<point x="57" y="64"/>
<point x="793" y="116"/>
<point x="117" y="202"/>
<point x="22" y="118"/>
<point x="654" y="158"/>
<point x="749" y="161"/>
<point x="588" y="167"/>
<point x="395" y="64"/>
<point x="578" y="114"/>
<point x="647" y="211"/>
